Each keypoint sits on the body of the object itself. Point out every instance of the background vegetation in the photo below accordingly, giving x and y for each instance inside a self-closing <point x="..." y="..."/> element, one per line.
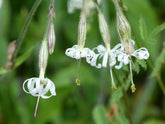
<point x="93" y="101"/>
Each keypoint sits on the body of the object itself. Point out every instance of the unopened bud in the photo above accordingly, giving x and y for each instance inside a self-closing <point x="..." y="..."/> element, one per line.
<point x="128" y="47"/>
<point x="123" y="26"/>
<point x="11" y="49"/>
<point x="51" y="38"/>
<point x="43" y="57"/>
<point x="104" y="30"/>
<point x="82" y="30"/>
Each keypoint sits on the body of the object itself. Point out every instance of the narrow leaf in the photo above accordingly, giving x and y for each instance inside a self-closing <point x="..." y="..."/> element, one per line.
<point x="159" y="61"/>
<point x="143" y="29"/>
<point x="158" y="29"/>
<point x="18" y="61"/>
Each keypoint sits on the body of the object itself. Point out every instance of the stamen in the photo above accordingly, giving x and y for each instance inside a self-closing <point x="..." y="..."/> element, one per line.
<point x="78" y="73"/>
<point x="35" y="113"/>
<point x="133" y="85"/>
<point x="112" y="80"/>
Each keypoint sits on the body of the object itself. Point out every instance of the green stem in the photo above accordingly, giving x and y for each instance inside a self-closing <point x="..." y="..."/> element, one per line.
<point x="125" y="98"/>
<point x="25" y="27"/>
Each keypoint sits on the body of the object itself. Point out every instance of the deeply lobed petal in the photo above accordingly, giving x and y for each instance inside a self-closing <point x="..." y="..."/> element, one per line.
<point x="77" y="53"/>
<point x="141" y="53"/>
<point x="34" y="87"/>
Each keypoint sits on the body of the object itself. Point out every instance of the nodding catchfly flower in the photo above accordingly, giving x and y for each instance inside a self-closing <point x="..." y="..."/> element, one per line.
<point x="50" y="30"/>
<point x="106" y="53"/>
<point x="40" y="86"/>
<point x="78" y="51"/>
<point x="126" y="50"/>
<point x="78" y="4"/>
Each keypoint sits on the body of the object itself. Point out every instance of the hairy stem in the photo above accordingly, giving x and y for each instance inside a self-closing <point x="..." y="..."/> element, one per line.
<point x="25" y="27"/>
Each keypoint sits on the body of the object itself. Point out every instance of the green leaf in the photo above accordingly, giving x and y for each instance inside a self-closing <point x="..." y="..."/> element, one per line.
<point x="159" y="61"/>
<point x="18" y="61"/>
<point x="99" y="113"/>
<point x="141" y="63"/>
<point x="154" y="121"/>
<point x="158" y="29"/>
<point x="143" y="29"/>
<point x="116" y="96"/>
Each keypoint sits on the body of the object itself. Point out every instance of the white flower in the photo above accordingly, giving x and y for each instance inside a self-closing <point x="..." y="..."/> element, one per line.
<point x="141" y="53"/>
<point x="77" y="4"/>
<point x="104" y="53"/>
<point x="77" y="52"/>
<point x="37" y="87"/>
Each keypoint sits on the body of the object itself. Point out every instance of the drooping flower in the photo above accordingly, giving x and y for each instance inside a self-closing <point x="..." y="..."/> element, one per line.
<point x="79" y="51"/>
<point x="40" y="87"/>
<point x="124" y="57"/>
<point x="126" y="51"/>
<point x="107" y="54"/>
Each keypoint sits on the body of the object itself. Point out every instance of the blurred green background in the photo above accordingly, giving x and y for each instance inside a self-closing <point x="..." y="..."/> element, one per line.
<point x="93" y="101"/>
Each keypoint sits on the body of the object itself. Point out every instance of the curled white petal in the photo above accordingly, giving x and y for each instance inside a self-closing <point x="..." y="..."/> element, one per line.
<point x="35" y="87"/>
<point x="77" y="53"/>
<point x="141" y="53"/>
<point x="119" y="66"/>
<point x="105" y="59"/>
<point x="92" y="59"/>
<point x="104" y="54"/>
<point x="49" y="87"/>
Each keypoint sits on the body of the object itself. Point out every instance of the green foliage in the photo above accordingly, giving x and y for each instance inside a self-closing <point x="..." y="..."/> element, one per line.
<point x="81" y="104"/>
<point x="143" y="29"/>
<point x="99" y="113"/>
<point x="17" y="62"/>
<point x="159" y="62"/>
<point x="153" y="121"/>
<point x="157" y="30"/>
<point x="116" y="96"/>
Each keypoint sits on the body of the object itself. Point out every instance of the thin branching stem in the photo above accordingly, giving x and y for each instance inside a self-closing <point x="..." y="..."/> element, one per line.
<point x="25" y="27"/>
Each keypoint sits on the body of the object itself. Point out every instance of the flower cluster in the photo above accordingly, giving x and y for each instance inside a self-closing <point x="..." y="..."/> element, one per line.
<point x="122" y="52"/>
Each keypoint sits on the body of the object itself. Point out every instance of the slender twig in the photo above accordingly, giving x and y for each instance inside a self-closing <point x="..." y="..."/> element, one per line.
<point x="125" y="98"/>
<point x="25" y="27"/>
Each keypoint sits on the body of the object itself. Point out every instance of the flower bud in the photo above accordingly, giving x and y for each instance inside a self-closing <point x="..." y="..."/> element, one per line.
<point x="43" y="57"/>
<point x="82" y="30"/>
<point x="11" y="50"/>
<point x="128" y="47"/>
<point x="123" y="26"/>
<point x="104" y="29"/>
<point x="51" y="38"/>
